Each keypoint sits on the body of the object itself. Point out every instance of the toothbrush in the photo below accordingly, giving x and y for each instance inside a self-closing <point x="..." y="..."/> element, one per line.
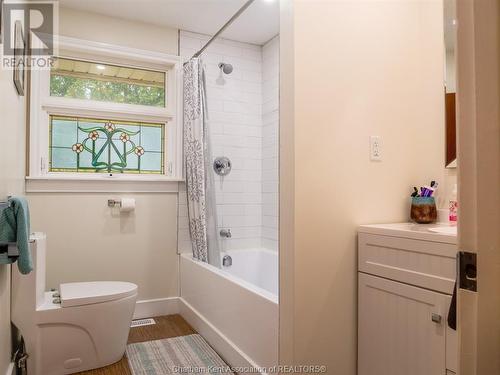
<point x="427" y="191"/>
<point x="415" y="192"/>
<point x="434" y="186"/>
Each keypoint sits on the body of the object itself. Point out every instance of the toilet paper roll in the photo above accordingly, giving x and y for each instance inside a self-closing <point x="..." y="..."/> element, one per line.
<point x="128" y="204"/>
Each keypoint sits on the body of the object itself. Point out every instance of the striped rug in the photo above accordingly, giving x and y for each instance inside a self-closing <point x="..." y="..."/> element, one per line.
<point x="179" y="355"/>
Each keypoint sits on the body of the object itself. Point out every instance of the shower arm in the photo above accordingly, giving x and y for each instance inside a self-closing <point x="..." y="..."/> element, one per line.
<point x="221" y="30"/>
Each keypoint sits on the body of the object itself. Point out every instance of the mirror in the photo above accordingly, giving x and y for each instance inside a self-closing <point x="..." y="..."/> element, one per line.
<point x="450" y="24"/>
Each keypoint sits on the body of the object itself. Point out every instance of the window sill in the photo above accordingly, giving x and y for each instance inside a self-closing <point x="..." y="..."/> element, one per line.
<point x="104" y="184"/>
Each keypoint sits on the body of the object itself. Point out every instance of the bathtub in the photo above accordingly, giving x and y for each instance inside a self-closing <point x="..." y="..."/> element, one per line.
<point x="235" y="308"/>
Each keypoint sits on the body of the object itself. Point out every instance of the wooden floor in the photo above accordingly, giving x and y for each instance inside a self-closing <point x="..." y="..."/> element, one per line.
<point x="165" y="327"/>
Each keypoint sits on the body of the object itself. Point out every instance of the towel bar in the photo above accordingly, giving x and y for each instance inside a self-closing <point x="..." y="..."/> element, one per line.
<point x="5" y="203"/>
<point x="10" y="248"/>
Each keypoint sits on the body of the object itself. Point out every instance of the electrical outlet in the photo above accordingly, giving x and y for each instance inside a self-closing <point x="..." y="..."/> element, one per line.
<point x="375" y="148"/>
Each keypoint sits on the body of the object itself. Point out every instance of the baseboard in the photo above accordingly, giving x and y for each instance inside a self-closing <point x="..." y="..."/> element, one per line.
<point x="228" y="351"/>
<point x="10" y="369"/>
<point x="156" y="307"/>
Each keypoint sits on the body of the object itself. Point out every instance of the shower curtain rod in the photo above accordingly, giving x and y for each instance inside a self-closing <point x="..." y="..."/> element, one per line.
<point x="221" y="30"/>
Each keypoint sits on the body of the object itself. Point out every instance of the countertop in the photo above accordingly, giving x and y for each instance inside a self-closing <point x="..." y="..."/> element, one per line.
<point x="411" y="230"/>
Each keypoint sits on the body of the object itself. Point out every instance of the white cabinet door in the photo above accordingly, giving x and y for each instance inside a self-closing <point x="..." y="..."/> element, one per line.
<point x="397" y="334"/>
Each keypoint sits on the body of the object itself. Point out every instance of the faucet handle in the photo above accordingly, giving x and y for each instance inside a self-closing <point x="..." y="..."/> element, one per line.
<point x="225" y="233"/>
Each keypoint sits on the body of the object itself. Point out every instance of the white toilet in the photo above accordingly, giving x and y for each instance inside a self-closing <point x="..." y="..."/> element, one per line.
<point x="81" y="327"/>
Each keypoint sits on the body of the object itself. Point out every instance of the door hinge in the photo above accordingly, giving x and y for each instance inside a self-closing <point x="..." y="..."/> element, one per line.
<point x="20" y="358"/>
<point x="467" y="270"/>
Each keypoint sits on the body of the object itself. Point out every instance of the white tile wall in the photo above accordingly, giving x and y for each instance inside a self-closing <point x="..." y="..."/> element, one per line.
<point x="270" y="126"/>
<point x="237" y="125"/>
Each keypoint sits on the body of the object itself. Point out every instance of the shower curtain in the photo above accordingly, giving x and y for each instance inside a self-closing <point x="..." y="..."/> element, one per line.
<point x="198" y="158"/>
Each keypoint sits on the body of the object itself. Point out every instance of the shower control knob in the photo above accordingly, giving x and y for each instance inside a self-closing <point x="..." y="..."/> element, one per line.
<point x="56" y="295"/>
<point x="56" y="301"/>
<point x="222" y="166"/>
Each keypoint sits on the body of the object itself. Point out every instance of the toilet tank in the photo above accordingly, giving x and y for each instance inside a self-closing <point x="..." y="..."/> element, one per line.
<point x="27" y="294"/>
<point x="28" y="290"/>
<point x="38" y="254"/>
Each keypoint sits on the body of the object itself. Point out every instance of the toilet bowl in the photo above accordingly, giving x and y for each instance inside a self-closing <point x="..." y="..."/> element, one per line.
<point x="79" y="327"/>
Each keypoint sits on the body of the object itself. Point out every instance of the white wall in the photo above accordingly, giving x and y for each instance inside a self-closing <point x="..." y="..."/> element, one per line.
<point x="235" y="105"/>
<point x="88" y="241"/>
<point x="270" y="128"/>
<point x="358" y="68"/>
<point x="85" y="241"/>
<point x="450" y="174"/>
<point x="12" y="169"/>
<point x="101" y="28"/>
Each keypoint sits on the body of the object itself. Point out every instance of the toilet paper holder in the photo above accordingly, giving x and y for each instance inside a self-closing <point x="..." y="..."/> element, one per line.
<point x="125" y="205"/>
<point x="114" y="203"/>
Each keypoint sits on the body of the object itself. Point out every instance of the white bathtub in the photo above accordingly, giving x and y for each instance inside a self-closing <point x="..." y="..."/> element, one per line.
<point x="235" y="308"/>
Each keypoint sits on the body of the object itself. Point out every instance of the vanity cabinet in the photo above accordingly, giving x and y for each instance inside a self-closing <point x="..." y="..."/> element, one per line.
<point x="405" y="284"/>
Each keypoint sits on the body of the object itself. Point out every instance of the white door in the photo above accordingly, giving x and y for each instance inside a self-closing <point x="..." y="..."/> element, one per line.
<point x="399" y="328"/>
<point x="478" y="127"/>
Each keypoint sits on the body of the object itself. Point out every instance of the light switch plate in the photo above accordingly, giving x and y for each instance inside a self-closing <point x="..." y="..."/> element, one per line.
<point x="375" y="148"/>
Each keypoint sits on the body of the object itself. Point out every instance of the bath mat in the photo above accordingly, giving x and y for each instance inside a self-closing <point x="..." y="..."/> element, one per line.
<point x="179" y="355"/>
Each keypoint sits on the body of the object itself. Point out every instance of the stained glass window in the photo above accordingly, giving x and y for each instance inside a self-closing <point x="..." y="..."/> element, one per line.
<point x="105" y="146"/>
<point x="109" y="83"/>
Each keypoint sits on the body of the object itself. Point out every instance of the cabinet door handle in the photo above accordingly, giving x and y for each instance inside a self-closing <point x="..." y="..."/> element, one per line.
<point x="436" y="318"/>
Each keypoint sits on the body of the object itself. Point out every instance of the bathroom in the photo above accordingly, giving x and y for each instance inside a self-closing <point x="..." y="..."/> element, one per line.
<point x="317" y="120"/>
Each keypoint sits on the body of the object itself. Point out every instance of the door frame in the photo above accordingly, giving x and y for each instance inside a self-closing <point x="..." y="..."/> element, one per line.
<point x="478" y="129"/>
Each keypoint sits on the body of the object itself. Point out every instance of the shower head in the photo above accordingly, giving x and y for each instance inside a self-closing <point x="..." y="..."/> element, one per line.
<point x="226" y="68"/>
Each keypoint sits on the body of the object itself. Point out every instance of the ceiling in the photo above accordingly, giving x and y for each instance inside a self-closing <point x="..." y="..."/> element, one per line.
<point x="258" y="24"/>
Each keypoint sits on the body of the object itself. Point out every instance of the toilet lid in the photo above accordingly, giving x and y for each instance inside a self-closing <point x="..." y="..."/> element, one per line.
<point x="78" y="294"/>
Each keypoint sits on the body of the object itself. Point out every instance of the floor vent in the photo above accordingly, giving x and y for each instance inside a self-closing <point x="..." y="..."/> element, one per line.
<point x="142" y="322"/>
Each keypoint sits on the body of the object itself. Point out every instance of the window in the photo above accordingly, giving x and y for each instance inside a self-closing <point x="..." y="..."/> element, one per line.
<point x="109" y="83"/>
<point x="106" y="111"/>
<point x="105" y="146"/>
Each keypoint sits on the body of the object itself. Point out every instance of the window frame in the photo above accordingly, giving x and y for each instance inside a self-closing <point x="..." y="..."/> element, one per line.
<point x="42" y="106"/>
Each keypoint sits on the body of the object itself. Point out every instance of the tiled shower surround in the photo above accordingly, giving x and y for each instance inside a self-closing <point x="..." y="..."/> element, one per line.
<point x="270" y="133"/>
<point x="243" y="120"/>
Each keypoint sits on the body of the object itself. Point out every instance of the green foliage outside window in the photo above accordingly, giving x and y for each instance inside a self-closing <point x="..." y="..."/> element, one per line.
<point x="88" y="80"/>
<point x="106" y="91"/>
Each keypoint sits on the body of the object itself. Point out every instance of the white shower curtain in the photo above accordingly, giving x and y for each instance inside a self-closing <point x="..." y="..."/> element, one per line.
<point x="198" y="161"/>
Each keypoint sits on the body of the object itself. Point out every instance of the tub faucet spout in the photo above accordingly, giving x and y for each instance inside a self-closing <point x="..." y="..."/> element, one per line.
<point x="227" y="261"/>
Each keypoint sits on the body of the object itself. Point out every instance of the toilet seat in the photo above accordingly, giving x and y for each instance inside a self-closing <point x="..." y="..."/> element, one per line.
<point x="87" y="293"/>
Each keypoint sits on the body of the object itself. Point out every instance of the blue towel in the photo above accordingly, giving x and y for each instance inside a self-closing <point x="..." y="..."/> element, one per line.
<point x="15" y="227"/>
